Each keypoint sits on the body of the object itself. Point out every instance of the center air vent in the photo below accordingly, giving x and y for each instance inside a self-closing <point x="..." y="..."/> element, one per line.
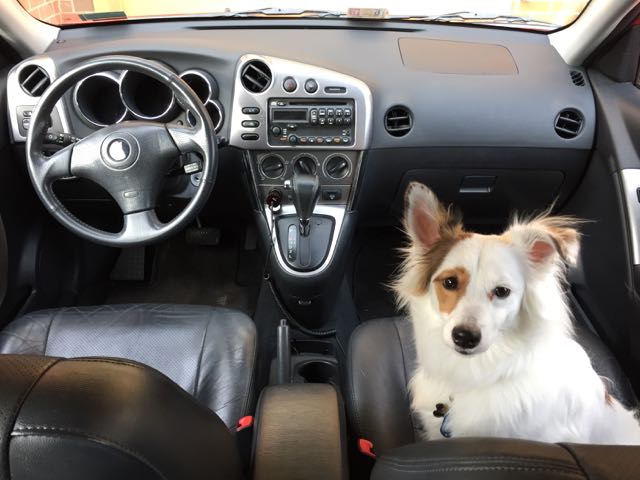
<point x="256" y="76"/>
<point x="577" y="78"/>
<point x="569" y="123"/>
<point x="398" y="121"/>
<point x="34" y="80"/>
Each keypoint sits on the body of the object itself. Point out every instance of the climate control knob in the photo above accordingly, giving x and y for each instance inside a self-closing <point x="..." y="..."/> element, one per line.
<point x="293" y="139"/>
<point x="337" y="167"/>
<point x="305" y="165"/>
<point x="272" y="166"/>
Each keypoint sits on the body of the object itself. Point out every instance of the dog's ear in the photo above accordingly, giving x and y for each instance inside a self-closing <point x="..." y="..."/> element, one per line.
<point x="424" y="216"/>
<point x="548" y="239"/>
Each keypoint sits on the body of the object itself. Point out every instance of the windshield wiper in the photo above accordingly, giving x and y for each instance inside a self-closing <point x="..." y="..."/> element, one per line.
<point x="474" y="17"/>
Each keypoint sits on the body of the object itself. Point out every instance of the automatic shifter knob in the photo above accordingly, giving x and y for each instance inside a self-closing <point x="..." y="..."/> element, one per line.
<point x="306" y="190"/>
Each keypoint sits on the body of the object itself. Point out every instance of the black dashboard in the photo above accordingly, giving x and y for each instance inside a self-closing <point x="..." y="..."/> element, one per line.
<point x="492" y="118"/>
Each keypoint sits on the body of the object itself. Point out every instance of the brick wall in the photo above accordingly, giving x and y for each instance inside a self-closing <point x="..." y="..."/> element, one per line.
<point x="57" y="12"/>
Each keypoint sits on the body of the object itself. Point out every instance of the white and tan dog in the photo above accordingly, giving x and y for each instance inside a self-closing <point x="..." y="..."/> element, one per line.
<point x="493" y="333"/>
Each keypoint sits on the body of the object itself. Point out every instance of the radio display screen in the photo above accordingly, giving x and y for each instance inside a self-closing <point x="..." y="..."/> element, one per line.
<point x="290" y="115"/>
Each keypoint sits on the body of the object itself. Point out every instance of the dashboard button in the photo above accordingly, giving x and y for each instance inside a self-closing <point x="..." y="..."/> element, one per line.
<point x="346" y="139"/>
<point x="303" y="139"/>
<point x="338" y="112"/>
<point x="250" y="110"/>
<point x="330" y="121"/>
<point x="311" y="86"/>
<point x="336" y="140"/>
<point x="339" y="121"/>
<point x="250" y="136"/>
<point x="26" y="123"/>
<point x="330" y="112"/>
<point x="322" y="112"/>
<point x="322" y="121"/>
<point x="312" y="139"/>
<point x="251" y="123"/>
<point x="276" y="131"/>
<point x="327" y="140"/>
<point x="331" y="195"/>
<point x="293" y="139"/>
<point x="319" y="140"/>
<point x="289" y="84"/>
<point x="347" y="112"/>
<point x="347" y="121"/>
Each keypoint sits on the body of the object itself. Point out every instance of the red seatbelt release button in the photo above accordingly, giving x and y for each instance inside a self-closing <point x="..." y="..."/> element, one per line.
<point x="244" y="422"/>
<point x="366" y="447"/>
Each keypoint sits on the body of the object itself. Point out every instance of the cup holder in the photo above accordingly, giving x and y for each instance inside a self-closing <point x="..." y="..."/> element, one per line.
<point x="318" y="371"/>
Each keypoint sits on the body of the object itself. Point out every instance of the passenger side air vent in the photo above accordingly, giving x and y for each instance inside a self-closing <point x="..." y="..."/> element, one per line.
<point x="577" y="78"/>
<point x="34" y="80"/>
<point x="569" y="123"/>
<point x="256" y="76"/>
<point x="398" y="121"/>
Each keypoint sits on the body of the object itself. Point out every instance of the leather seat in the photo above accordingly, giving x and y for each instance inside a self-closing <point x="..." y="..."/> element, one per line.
<point x="208" y="351"/>
<point x="381" y="361"/>
<point x="105" y="419"/>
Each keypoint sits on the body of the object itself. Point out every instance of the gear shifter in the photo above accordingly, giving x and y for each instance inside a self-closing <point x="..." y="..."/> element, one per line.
<point x="306" y="190"/>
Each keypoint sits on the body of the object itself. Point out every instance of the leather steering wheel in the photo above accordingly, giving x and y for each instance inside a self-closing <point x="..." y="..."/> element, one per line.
<point x="129" y="160"/>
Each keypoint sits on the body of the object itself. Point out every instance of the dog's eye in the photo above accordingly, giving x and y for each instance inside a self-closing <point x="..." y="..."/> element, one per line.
<point x="501" y="292"/>
<point x="450" y="283"/>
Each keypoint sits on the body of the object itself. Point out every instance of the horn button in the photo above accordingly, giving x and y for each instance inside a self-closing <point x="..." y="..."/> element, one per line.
<point x="119" y="150"/>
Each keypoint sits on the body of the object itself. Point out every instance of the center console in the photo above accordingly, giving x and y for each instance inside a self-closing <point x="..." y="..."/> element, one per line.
<point x="304" y="130"/>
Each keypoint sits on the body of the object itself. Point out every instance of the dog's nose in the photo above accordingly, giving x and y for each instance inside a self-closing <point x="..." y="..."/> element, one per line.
<point x="466" y="336"/>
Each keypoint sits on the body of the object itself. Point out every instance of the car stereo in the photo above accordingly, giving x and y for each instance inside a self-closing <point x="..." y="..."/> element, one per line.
<point x="311" y="122"/>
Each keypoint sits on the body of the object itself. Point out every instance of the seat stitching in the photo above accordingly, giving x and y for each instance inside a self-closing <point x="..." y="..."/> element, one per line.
<point x="20" y="402"/>
<point x="28" y="430"/>
<point x="250" y="384"/>
<point x="575" y="458"/>
<point x="404" y="370"/>
<point x="569" y="473"/>
<point x="204" y="338"/>
<point x="399" y="461"/>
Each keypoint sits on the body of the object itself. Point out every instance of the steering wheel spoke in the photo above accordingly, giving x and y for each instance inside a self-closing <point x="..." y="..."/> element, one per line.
<point x="187" y="139"/>
<point x="142" y="224"/>
<point x="54" y="167"/>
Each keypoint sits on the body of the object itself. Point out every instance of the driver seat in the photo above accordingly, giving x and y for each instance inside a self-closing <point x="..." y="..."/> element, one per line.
<point x="208" y="351"/>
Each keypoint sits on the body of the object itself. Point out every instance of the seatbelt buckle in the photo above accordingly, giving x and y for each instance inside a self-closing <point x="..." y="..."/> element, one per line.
<point x="366" y="447"/>
<point x="244" y="422"/>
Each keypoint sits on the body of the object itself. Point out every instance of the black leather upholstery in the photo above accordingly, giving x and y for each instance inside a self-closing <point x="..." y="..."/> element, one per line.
<point x="381" y="361"/>
<point x="105" y="419"/>
<point x="208" y="351"/>
<point x="498" y="459"/>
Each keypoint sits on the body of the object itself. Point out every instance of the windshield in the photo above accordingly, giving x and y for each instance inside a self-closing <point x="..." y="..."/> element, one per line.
<point x="531" y="14"/>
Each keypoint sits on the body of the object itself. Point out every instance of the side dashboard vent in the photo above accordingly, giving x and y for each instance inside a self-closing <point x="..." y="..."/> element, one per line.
<point x="577" y="78"/>
<point x="569" y="123"/>
<point x="34" y="80"/>
<point x="256" y="76"/>
<point x="398" y="121"/>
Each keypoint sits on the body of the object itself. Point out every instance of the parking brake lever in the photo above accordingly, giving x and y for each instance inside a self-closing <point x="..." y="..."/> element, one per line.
<point x="306" y="190"/>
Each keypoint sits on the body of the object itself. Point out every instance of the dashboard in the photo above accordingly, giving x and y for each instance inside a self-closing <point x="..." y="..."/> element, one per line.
<point x="492" y="118"/>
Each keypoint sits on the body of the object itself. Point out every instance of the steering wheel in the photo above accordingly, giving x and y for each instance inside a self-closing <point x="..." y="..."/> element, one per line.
<point x="129" y="160"/>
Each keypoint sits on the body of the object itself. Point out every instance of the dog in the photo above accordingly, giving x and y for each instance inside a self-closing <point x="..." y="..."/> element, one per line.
<point x="493" y="333"/>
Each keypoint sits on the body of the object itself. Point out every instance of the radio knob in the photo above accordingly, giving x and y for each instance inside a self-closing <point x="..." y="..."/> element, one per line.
<point x="276" y="131"/>
<point x="293" y="139"/>
<point x="289" y="84"/>
<point x="311" y="86"/>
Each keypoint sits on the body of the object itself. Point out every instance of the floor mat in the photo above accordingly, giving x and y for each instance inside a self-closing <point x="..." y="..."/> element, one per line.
<point x="196" y="274"/>
<point x="376" y="260"/>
